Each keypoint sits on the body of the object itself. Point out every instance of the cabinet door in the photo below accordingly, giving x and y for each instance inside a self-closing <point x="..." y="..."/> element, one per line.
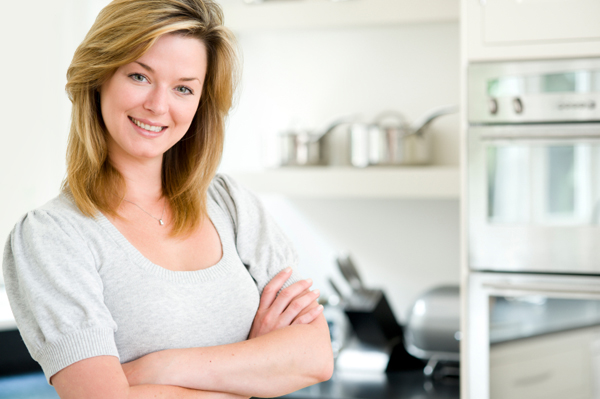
<point x="507" y="21"/>
<point x="530" y="29"/>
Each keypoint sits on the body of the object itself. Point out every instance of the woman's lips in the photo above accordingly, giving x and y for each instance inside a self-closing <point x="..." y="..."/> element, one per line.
<point x="146" y="129"/>
<point x="151" y="128"/>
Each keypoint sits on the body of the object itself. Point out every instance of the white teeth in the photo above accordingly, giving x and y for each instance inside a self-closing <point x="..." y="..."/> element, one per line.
<point x="155" y="129"/>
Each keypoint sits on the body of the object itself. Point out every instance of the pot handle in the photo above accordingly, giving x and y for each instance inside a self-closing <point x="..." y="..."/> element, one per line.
<point x="421" y="124"/>
<point x="391" y="115"/>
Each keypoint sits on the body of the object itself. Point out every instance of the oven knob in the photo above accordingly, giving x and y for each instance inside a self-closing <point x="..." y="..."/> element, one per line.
<point x="493" y="106"/>
<point x="518" y="105"/>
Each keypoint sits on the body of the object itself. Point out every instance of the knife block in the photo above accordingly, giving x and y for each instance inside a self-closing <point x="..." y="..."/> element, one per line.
<point x="374" y="324"/>
<point x="372" y="318"/>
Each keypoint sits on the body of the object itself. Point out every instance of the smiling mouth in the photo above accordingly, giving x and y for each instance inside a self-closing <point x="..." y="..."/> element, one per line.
<point x="150" y="128"/>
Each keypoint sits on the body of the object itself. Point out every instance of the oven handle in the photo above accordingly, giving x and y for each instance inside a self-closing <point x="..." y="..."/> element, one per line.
<point x="539" y="132"/>
<point x="592" y="136"/>
<point x="540" y="288"/>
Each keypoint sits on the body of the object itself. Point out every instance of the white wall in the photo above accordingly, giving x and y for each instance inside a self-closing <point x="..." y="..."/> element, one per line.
<point x="310" y="77"/>
<point x="402" y="246"/>
<point x="37" y="41"/>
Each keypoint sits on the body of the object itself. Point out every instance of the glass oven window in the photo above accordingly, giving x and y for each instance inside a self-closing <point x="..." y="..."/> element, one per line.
<point x="508" y="187"/>
<point x="545" y="184"/>
<point x="513" y="318"/>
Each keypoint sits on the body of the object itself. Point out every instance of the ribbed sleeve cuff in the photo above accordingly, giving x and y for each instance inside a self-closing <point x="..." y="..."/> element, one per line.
<point x="294" y="278"/>
<point x="57" y="355"/>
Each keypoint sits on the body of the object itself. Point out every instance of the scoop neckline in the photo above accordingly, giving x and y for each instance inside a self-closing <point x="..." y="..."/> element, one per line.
<point x="210" y="273"/>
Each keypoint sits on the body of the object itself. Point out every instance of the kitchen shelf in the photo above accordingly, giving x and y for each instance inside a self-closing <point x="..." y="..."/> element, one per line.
<point x="434" y="182"/>
<point x="290" y="14"/>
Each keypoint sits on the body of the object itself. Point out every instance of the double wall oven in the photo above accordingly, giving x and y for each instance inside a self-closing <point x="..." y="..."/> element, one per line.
<point x="533" y="201"/>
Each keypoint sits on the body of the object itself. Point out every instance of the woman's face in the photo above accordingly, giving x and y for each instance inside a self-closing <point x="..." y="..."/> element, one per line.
<point x="148" y="105"/>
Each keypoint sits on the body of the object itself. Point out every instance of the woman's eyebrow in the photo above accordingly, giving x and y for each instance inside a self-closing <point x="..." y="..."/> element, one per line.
<point x="148" y="68"/>
<point x="188" y="79"/>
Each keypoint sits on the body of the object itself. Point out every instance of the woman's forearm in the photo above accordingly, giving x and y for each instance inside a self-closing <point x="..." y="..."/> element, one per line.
<point x="167" y="391"/>
<point x="102" y="377"/>
<point x="274" y="364"/>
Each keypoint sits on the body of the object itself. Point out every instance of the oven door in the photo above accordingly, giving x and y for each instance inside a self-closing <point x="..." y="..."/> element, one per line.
<point x="533" y="336"/>
<point x="534" y="198"/>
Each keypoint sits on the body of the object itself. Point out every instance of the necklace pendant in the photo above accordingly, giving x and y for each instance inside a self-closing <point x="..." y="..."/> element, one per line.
<point x="161" y="222"/>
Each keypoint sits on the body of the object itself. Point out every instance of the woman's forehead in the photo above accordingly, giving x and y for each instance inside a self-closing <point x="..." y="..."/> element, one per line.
<point x="176" y="54"/>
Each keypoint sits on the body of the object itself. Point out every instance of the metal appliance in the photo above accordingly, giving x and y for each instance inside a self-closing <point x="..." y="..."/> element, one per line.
<point x="534" y="166"/>
<point x="533" y="228"/>
<point x="533" y="336"/>
<point x="432" y="330"/>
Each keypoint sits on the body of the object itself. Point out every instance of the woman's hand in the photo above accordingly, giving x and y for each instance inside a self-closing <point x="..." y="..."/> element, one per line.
<point x="295" y="304"/>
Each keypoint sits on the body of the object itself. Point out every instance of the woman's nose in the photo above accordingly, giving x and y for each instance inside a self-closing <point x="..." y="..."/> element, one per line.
<point x="157" y="101"/>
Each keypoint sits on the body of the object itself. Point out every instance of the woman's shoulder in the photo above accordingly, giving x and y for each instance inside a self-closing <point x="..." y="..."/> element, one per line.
<point x="223" y="184"/>
<point x="59" y="215"/>
<point x="231" y="196"/>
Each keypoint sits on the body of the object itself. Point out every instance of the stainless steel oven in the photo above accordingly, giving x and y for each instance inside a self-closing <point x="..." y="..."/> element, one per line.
<point x="533" y="228"/>
<point x="534" y="166"/>
<point x="533" y="336"/>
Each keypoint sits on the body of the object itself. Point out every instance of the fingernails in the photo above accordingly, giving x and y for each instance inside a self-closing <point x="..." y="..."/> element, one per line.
<point x="287" y="269"/>
<point x="309" y="281"/>
<point x="317" y="292"/>
<point x="320" y="308"/>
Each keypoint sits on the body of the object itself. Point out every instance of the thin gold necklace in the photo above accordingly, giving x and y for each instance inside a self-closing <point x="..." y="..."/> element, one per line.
<point x="160" y="221"/>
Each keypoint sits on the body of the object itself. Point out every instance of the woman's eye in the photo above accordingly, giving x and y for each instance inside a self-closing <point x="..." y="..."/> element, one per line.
<point x="184" y="90"/>
<point x="137" y="77"/>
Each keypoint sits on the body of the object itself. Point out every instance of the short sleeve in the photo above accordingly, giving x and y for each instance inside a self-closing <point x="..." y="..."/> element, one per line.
<point x="56" y="293"/>
<point x="261" y="244"/>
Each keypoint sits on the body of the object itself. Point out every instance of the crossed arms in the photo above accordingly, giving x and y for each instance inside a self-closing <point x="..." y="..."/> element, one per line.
<point x="288" y="349"/>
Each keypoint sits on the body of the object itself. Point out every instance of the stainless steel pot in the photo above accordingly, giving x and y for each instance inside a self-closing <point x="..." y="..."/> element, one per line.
<point x="390" y="140"/>
<point x="305" y="148"/>
<point x="300" y="148"/>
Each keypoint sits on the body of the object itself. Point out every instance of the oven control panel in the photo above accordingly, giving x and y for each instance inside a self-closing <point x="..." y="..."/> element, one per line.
<point x="534" y="91"/>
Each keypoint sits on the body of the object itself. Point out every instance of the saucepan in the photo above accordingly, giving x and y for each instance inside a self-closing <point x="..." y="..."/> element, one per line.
<point x="305" y="148"/>
<point x="391" y="140"/>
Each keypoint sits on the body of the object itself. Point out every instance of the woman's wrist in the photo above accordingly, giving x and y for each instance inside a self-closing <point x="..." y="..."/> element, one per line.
<point x="149" y="369"/>
<point x="165" y="366"/>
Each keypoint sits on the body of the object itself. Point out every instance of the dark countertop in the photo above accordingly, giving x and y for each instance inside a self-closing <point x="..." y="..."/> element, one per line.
<point x="345" y="383"/>
<point x="398" y="385"/>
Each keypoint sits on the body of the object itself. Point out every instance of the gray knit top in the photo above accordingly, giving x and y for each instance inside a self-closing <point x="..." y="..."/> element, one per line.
<point x="79" y="289"/>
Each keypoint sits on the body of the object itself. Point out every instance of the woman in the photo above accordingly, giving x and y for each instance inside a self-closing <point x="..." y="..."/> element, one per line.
<point x="143" y="278"/>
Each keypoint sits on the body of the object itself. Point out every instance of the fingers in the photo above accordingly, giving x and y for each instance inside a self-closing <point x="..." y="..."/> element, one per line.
<point x="270" y="291"/>
<point x="298" y="305"/>
<point x="310" y="316"/>
<point x="287" y="295"/>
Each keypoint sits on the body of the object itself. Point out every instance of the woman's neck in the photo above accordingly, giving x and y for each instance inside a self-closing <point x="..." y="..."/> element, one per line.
<point x="142" y="178"/>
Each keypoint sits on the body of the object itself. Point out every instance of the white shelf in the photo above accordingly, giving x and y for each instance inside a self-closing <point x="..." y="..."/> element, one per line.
<point x="433" y="182"/>
<point x="290" y="14"/>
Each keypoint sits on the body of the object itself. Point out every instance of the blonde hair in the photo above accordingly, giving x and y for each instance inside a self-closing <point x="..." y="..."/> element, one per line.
<point x="124" y="30"/>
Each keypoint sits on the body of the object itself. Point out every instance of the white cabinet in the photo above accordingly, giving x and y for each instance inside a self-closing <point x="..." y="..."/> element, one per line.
<point x="553" y="366"/>
<point x="526" y="29"/>
<point x="286" y="14"/>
